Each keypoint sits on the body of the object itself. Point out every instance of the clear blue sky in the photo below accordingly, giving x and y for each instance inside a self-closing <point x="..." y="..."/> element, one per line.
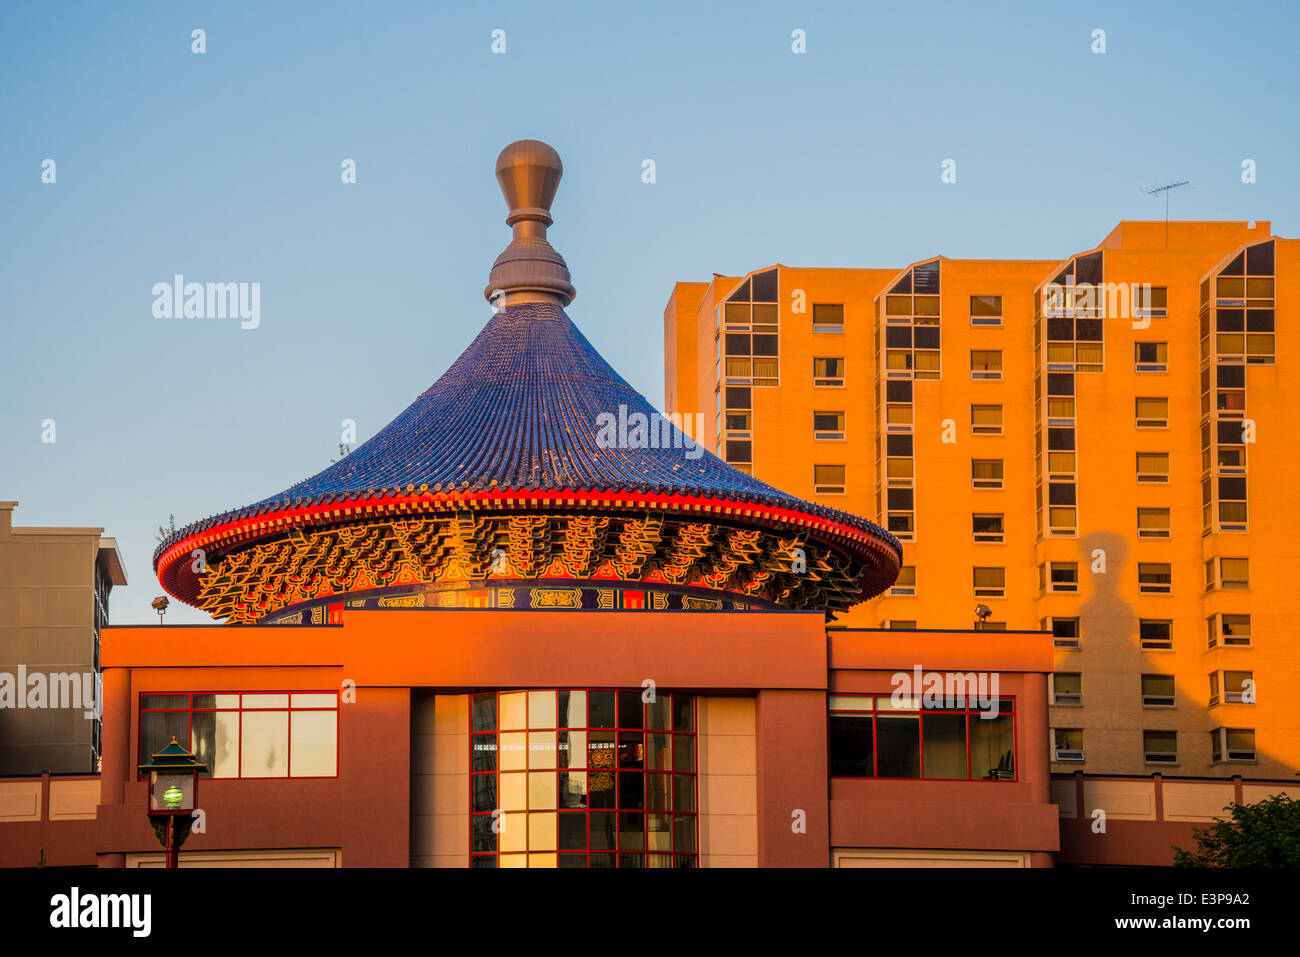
<point x="225" y="167"/>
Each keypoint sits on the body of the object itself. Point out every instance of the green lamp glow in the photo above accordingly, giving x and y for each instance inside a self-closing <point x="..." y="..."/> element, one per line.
<point x="173" y="797"/>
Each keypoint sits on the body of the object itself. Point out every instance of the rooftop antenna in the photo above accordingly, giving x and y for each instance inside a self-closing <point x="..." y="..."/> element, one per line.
<point x="1167" y="189"/>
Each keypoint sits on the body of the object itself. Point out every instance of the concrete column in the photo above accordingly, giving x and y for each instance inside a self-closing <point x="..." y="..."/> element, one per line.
<point x="116" y="752"/>
<point x="792" y="777"/>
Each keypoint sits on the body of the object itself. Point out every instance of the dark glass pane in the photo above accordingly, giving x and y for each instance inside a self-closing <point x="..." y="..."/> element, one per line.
<point x="683" y="792"/>
<point x="158" y="730"/>
<point x="1259" y="320"/>
<point x="1230" y="320"/>
<point x="631" y="860"/>
<point x="484" y="713"/>
<point x="571" y="860"/>
<point x="484" y="751"/>
<point x="927" y="337"/>
<point x="740" y="450"/>
<point x="1231" y="377"/>
<point x="1060" y="439"/>
<point x="1060" y="329"/>
<point x="1060" y="383"/>
<point x="737" y="398"/>
<point x="899" y="337"/>
<point x="1229" y="432"/>
<point x="945" y="745"/>
<point x="850" y="746"/>
<point x="1087" y="330"/>
<point x="483" y="791"/>
<point x="898" y="744"/>
<point x="631" y="710"/>
<point x="900" y="498"/>
<point x="903" y="285"/>
<point x="899" y="390"/>
<point x="657" y="792"/>
<point x="573" y="789"/>
<point x="765" y="286"/>
<point x="481" y="836"/>
<point x="1232" y="489"/>
<point x="600" y="709"/>
<point x="1060" y="493"/>
<point x="737" y="344"/>
<point x="204" y="744"/>
<point x="631" y="832"/>
<point x="602" y="860"/>
<point x="683" y="833"/>
<point x="992" y="747"/>
<point x="658" y="712"/>
<point x="1236" y="267"/>
<point x="631" y="790"/>
<point x="484" y="861"/>
<point x="898" y="445"/>
<point x="741" y="294"/>
<point x="925" y="278"/>
<point x="170" y="701"/>
<point x="683" y="752"/>
<point x="683" y="713"/>
<point x="602" y="831"/>
<point x="1088" y="269"/>
<point x="571" y="832"/>
<point x="767" y="345"/>
<point x="1259" y="259"/>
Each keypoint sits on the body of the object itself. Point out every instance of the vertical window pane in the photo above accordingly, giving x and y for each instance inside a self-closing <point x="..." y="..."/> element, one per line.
<point x="945" y="745"/>
<point x="851" y="746"/>
<point x="898" y="743"/>
<point x="264" y="744"/>
<point x="512" y="711"/>
<point x="992" y="747"/>
<point x="313" y="751"/>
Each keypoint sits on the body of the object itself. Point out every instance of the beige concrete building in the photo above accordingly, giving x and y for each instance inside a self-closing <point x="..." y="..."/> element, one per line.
<point x="54" y="588"/>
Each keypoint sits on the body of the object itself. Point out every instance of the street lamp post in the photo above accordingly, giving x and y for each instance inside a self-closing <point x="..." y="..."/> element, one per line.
<point x="173" y="791"/>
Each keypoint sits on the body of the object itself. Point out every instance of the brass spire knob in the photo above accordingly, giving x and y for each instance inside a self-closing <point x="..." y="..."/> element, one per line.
<point x="529" y="269"/>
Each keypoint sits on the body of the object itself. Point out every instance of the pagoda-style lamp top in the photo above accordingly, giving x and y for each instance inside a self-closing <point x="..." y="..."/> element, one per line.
<point x="173" y="780"/>
<point x="529" y="269"/>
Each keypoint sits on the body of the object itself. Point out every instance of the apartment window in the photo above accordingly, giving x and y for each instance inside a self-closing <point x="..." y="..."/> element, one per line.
<point x="1229" y="629"/>
<point x="1238" y="687"/>
<point x="1157" y="691"/>
<point x="828" y="372"/>
<point x="1153" y="522"/>
<point x="1153" y="467"/>
<point x="1160" y="747"/>
<point x="828" y="317"/>
<point x="1065" y="632"/>
<point x="986" y="473"/>
<point x="1067" y="688"/>
<point x="828" y="480"/>
<point x="906" y="583"/>
<point x="1151" y="356"/>
<point x="1156" y="634"/>
<point x="986" y="419"/>
<point x="985" y="364"/>
<point x="1234" y="572"/>
<point x="1155" y="578"/>
<point x="1063" y="576"/>
<point x="280" y="735"/>
<point x="990" y="582"/>
<point x="877" y="736"/>
<point x="828" y="425"/>
<point x="1067" y="744"/>
<point x="1232" y="744"/>
<point x="987" y="527"/>
<point x="899" y="624"/>
<point x="1150" y="302"/>
<point x="987" y="625"/>
<point x="986" y="310"/>
<point x="582" y="779"/>
<point x="1152" y="412"/>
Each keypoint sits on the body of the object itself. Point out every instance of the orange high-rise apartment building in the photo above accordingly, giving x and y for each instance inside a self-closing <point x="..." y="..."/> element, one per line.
<point x="1100" y="447"/>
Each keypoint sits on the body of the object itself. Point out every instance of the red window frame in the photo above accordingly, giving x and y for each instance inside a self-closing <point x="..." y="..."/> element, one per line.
<point x="680" y="858"/>
<point x="1006" y="706"/>
<point x="190" y="710"/>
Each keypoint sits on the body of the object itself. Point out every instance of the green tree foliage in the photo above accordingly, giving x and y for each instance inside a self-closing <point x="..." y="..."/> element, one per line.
<point x="1265" y="834"/>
